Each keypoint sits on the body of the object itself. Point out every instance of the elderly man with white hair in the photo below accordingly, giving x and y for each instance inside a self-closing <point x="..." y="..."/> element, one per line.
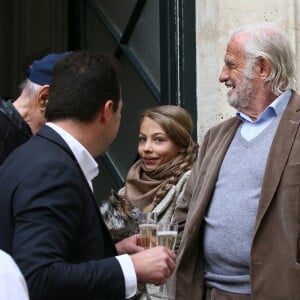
<point x="23" y="117"/>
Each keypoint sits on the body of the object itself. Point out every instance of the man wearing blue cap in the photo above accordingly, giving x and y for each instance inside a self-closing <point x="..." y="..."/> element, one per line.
<point x="22" y="118"/>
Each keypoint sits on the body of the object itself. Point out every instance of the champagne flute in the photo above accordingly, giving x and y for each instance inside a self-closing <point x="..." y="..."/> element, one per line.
<point x="166" y="236"/>
<point x="148" y="229"/>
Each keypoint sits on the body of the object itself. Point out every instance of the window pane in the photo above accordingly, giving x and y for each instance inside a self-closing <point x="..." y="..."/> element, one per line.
<point x="145" y="41"/>
<point x="116" y="12"/>
<point x="136" y="97"/>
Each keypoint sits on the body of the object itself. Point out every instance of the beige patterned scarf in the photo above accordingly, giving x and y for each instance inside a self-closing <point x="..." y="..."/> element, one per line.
<point x="142" y="185"/>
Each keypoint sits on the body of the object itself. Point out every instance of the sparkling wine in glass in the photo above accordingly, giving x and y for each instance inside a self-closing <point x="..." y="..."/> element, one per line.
<point x="148" y="229"/>
<point x="148" y="239"/>
<point x="166" y="236"/>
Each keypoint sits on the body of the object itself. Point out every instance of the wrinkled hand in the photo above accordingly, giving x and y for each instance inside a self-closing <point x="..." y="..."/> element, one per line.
<point x="129" y="245"/>
<point x="154" y="265"/>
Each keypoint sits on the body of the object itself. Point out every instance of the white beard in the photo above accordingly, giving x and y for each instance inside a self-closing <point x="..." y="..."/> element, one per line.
<point x="242" y="94"/>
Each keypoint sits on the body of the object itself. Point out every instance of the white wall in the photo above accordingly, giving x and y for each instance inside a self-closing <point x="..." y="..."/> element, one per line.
<point x="214" y="21"/>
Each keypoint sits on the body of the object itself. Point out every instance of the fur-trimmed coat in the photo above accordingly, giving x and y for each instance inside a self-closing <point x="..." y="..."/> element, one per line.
<point x="121" y="217"/>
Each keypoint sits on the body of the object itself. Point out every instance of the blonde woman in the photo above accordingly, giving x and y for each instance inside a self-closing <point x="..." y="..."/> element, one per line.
<point x="156" y="181"/>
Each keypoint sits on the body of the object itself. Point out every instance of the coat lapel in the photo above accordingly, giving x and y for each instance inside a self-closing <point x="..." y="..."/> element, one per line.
<point x="278" y="156"/>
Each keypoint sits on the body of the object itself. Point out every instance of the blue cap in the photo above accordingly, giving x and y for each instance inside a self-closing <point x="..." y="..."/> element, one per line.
<point x="40" y="71"/>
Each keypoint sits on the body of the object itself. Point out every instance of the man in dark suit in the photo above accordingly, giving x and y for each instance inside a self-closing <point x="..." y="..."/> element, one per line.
<point x="49" y="220"/>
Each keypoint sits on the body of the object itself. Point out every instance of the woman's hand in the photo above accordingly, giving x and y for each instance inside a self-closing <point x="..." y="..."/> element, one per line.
<point x="130" y="245"/>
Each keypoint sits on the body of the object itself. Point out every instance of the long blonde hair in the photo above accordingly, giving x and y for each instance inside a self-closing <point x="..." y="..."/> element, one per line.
<point x="178" y="125"/>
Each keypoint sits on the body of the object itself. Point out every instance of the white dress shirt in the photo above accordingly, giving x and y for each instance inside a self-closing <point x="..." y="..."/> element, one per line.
<point x="12" y="282"/>
<point x="90" y="170"/>
<point x="250" y="129"/>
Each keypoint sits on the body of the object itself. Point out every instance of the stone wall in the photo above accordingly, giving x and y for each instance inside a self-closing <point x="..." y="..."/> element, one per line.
<point x="214" y="21"/>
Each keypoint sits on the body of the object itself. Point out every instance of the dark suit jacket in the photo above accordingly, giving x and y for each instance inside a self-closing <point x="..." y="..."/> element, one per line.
<point x="51" y="225"/>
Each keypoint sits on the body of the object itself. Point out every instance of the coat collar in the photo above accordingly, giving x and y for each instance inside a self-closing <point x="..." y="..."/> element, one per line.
<point x="48" y="133"/>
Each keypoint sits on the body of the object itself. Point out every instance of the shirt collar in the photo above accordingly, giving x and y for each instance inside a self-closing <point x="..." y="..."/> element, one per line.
<point x="274" y="109"/>
<point x="86" y="162"/>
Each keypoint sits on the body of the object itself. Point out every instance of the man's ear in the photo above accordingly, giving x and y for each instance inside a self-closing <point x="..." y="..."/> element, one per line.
<point x="42" y="97"/>
<point x="107" y="111"/>
<point x="264" y="67"/>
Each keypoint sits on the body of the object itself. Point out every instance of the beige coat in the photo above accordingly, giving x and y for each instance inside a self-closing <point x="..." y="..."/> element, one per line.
<point x="275" y="251"/>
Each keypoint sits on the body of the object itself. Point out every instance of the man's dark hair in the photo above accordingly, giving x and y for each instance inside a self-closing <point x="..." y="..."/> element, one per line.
<point x="82" y="82"/>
